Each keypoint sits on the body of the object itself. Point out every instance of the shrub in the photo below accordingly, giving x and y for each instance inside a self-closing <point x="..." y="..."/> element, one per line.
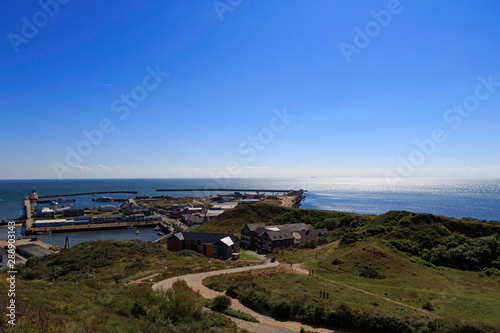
<point x="351" y="237"/>
<point x="221" y="303"/>
<point x="331" y="223"/>
<point x="371" y="273"/>
<point x="428" y="306"/>
<point x="310" y="244"/>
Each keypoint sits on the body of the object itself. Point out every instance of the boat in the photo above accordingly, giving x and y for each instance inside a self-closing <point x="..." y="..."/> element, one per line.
<point x="48" y="232"/>
<point x="159" y="233"/>
<point x="157" y="228"/>
<point x="63" y="199"/>
<point x="33" y="194"/>
<point x="103" y="199"/>
<point x="137" y="232"/>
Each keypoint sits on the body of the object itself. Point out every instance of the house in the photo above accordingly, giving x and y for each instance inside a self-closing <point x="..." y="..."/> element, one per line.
<point x="190" y="219"/>
<point x="45" y="212"/>
<point x="267" y="238"/>
<point x="129" y="206"/>
<point x="219" y="246"/>
<point x="3" y="259"/>
<point x="249" y="232"/>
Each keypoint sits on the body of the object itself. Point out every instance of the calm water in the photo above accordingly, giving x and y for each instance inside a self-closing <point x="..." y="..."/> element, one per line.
<point x="454" y="198"/>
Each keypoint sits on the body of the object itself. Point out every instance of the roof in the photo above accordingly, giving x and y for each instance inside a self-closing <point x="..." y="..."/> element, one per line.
<point x="212" y="213"/>
<point x="34" y="250"/>
<point x="250" y="200"/>
<point x="226" y="240"/>
<point x="50" y="221"/>
<point x="277" y="235"/>
<point x="207" y="238"/>
<point x="223" y="207"/>
<point x="255" y="226"/>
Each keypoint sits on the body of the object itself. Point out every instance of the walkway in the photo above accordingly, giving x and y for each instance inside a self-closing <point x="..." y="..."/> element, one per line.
<point x="265" y="324"/>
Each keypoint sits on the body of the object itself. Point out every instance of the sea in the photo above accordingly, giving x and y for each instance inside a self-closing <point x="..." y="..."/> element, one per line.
<point x="458" y="198"/>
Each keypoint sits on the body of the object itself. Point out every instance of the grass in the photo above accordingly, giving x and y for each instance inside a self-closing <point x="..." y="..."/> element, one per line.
<point x="454" y="294"/>
<point x="245" y="255"/>
<point x="103" y="307"/>
<point x="120" y="261"/>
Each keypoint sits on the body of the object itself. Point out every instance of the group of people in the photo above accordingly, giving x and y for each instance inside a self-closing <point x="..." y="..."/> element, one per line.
<point x="324" y="294"/>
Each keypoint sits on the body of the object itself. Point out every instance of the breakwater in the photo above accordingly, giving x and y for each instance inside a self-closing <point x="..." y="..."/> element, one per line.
<point x="86" y="193"/>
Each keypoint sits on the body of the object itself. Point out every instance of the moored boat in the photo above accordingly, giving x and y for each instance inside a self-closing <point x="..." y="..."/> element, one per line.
<point x="103" y="199"/>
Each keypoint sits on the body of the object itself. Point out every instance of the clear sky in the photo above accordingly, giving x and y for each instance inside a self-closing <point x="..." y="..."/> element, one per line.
<point x="94" y="89"/>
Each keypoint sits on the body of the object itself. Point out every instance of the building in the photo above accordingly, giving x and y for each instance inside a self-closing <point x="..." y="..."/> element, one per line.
<point x="249" y="201"/>
<point x="222" y="207"/>
<point x="45" y="213"/>
<point x="71" y="212"/>
<point x="267" y="238"/>
<point x="248" y="234"/>
<point x="108" y="208"/>
<point x="3" y="259"/>
<point x="219" y="246"/>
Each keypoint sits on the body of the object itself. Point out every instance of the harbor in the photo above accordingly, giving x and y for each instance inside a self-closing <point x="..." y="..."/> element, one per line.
<point x="141" y="212"/>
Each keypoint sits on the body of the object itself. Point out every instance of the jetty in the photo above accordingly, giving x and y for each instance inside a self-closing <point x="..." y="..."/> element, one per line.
<point x="85" y="193"/>
<point x="222" y="189"/>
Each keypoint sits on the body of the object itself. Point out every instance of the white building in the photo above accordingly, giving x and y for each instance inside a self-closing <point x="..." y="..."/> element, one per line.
<point x="45" y="212"/>
<point x="108" y="208"/>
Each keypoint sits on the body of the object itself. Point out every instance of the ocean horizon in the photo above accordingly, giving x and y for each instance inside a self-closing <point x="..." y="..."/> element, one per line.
<point x="457" y="198"/>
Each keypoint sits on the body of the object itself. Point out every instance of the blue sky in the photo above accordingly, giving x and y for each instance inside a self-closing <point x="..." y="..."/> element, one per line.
<point x="254" y="89"/>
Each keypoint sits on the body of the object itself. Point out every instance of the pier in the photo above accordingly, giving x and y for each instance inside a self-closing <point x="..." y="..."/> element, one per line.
<point x="86" y="193"/>
<point x="222" y="189"/>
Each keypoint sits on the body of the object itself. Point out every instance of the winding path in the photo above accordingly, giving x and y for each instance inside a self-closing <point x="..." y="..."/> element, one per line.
<point x="265" y="324"/>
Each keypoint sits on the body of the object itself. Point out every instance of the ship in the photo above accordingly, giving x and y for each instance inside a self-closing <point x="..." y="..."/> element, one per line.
<point x="103" y="199"/>
<point x="33" y="194"/>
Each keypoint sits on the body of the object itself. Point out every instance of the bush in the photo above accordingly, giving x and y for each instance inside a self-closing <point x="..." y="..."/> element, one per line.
<point x="232" y="290"/>
<point x="371" y="273"/>
<point x="221" y="303"/>
<point x="351" y="237"/>
<point x="331" y="223"/>
<point x="310" y="244"/>
<point x="428" y="306"/>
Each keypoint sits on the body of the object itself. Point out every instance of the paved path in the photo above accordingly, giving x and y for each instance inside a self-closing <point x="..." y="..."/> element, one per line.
<point x="265" y="324"/>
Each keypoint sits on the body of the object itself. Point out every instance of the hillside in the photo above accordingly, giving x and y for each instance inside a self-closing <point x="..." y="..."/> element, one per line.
<point x="448" y="267"/>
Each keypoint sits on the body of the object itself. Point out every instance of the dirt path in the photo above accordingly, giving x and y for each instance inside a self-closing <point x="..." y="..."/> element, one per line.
<point x="265" y="324"/>
<point x="298" y="269"/>
<point x="141" y="280"/>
